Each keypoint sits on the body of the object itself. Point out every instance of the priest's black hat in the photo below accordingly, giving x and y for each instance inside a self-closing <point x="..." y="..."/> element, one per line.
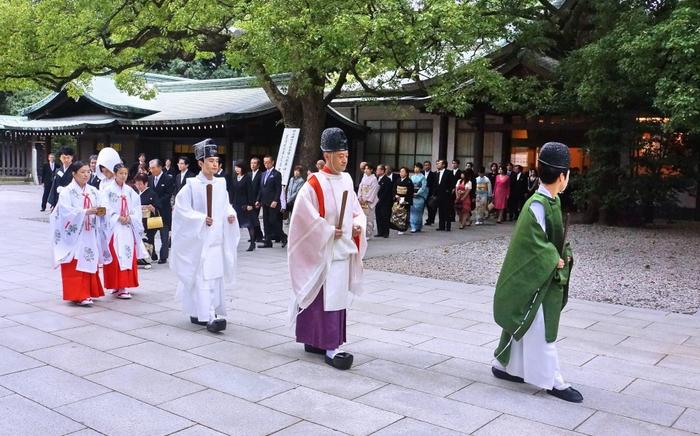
<point x="333" y="139"/>
<point x="555" y="155"/>
<point x="205" y="149"/>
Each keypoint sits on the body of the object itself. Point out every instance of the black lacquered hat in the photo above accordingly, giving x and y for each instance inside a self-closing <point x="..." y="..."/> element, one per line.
<point x="555" y="155"/>
<point x="205" y="149"/>
<point x="333" y="139"/>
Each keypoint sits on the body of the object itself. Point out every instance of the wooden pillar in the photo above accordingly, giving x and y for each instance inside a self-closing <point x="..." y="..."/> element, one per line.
<point x="479" y="121"/>
<point x="506" y="142"/>
<point x="442" y="144"/>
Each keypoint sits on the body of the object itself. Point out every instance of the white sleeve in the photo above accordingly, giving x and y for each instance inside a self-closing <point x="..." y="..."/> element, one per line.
<point x="538" y="209"/>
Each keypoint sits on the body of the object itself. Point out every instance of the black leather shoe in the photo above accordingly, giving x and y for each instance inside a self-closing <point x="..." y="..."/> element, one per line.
<point x="195" y="320"/>
<point x="162" y="261"/>
<point x="265" y="245"/>
<point x="216" y="325"/>
<point x="311" y="349"/>
<point x="251" y="247"/>
<point x="284" y="242"/>
<point x="340" y="361"/>
<point x="569" y="394"/>
<point x="378" y="236"/>
<point x="505" y="376"/>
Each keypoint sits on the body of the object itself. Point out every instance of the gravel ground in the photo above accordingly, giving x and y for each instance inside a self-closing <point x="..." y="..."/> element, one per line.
<point x="655" y="268"/>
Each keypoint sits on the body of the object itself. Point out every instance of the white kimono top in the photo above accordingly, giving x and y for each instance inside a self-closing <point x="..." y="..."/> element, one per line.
<point x="76" y="235"/>
<point x="315" y="258"/>
<point x="123" y="201"/>
<point x="198" y="250"/>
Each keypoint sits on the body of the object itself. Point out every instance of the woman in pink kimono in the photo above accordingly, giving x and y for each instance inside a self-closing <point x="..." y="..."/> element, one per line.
<point x="367" y="194"/>
<point x="463" y="199"/>
<point x="501" y="192"/>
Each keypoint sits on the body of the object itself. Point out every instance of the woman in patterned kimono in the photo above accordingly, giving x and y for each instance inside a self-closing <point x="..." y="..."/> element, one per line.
<point x="463" y="198"/>
<point x="124" y="231"/>
<point x="367" y="194"/>
<point x="420" y="196"/>
<point x="77" y="243"/>
<point x="403" y="194"/>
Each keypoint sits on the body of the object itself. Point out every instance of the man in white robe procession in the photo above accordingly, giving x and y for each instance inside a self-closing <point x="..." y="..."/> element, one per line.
<point x="325" y="254"/>
<point x="203" y="252"/>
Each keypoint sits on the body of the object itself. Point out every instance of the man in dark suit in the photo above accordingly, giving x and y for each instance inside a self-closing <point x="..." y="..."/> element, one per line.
<point x="431" y="177"/>
<point x="62" y="177"/>
<point x="183" y="164"/>
<point x="164" y="186"/>
<point x="445" y="187"/>
<point x="46" y="178"/>
<point x="385" y="199"/>
<point x="255" y="182"/>
<point x="518" y="190"/>
<point x="391" y="174"/>
<point x="222" y="173"/>
<point x="94" y="180"/>
<point x="456" y="172"/>
<point x="269" y="199"/>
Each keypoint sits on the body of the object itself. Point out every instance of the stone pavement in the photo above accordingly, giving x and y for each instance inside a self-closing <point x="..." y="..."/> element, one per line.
<point x="422" y="351"/>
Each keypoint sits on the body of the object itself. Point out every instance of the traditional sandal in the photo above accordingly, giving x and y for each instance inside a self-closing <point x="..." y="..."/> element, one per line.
<point x="340" y="361"/>
<point x="124" y="295"/>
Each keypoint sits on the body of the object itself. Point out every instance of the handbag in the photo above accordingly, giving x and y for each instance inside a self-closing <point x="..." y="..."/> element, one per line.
<point x="433" y="201"/>
<point x="154" y="222"/>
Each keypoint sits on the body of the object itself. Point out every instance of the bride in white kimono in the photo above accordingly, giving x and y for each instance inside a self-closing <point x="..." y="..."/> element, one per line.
<point x="78" y="246"/>
<point x="124" y="230"/>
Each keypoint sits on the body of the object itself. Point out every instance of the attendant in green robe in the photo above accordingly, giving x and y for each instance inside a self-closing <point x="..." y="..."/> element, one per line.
<point x="533" y="285"/>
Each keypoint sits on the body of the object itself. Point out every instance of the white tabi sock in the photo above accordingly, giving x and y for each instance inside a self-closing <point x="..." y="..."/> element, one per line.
<point x="331" y="353"/>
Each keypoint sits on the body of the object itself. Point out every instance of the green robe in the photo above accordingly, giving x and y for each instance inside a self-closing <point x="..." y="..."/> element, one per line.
<point x="530" y="278"/>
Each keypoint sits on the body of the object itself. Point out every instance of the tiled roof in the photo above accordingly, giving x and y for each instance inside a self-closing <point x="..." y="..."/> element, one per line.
<point x="177" y="101"/>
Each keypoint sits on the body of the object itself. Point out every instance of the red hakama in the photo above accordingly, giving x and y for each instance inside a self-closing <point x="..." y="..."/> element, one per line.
<point x="115" y="278"/>
<point x="78" y="285"/>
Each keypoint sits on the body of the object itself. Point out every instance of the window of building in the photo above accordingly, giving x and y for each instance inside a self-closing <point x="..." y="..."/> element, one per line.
<point x="399" y="143"/>
<point x="465" y="140"/>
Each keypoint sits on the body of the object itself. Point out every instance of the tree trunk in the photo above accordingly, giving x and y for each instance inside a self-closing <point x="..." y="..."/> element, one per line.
<point x="308" y="113"/>
<point x="309" y="151"/>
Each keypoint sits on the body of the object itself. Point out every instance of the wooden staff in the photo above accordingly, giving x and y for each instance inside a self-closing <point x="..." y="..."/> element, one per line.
<point x="342" y="210"/>
<point x="209" y="197"/>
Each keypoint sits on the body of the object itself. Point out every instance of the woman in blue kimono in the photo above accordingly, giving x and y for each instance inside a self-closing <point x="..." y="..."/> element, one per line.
<point x="420" y="196"/>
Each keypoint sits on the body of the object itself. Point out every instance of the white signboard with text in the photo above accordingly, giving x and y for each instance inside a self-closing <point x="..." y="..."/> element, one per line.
<point x="285" y="156"/>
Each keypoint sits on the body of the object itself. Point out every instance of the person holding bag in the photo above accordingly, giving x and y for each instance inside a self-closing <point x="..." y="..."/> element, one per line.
<point x="149" y="210"/>
<point x="403" y="194"/>
<point x="463" y="199"/>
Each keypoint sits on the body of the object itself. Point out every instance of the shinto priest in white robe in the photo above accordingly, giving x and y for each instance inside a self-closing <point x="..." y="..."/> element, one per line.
<point x="203" y="257"/>
<point x="316" y="259"/>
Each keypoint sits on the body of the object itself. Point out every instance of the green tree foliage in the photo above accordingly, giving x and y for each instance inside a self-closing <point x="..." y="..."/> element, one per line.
<point x="322" y="44"/>
<point x="12" y="102"/>
<point x="641" y="66"/>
